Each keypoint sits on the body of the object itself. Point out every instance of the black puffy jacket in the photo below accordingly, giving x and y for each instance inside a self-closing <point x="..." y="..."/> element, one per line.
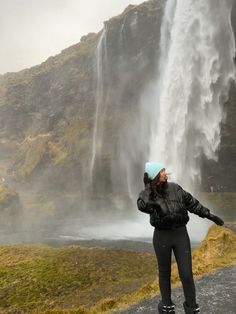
<point x="170" y="211"/>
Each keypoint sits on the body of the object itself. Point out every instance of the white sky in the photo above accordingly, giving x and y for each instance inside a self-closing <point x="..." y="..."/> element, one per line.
<point x="33" y="30"/>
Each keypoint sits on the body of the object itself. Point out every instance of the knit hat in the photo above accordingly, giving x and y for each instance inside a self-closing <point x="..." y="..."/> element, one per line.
<point x="153" y="168"/>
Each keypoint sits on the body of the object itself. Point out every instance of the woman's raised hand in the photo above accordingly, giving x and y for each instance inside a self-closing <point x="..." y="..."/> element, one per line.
<point x="146" y="180"/>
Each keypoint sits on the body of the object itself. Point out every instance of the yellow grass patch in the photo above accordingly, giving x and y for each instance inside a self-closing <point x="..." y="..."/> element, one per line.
<point x="14" y="254"/>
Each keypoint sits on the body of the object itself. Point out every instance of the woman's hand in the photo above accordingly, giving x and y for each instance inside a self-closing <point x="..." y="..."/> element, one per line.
<point x="217" y="220"/>
<point x="146" y="180"/>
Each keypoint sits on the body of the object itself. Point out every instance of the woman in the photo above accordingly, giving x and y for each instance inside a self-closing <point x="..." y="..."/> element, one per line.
<point x="168" y="205"/>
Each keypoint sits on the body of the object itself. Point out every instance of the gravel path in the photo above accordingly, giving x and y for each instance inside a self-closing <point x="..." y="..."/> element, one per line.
<point x="215" y="294"/>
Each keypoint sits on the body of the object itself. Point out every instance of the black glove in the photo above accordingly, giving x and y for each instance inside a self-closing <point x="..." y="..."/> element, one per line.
<point x="146" y="180"/>
<point x="217" y="220"/>
<point x="145" y="194"/>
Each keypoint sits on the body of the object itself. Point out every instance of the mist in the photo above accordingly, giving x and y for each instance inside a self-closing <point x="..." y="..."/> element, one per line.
<point x="122" y="104"/>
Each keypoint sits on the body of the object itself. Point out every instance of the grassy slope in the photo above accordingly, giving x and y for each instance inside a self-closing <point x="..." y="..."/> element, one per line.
<point x="35" y="276"/>
<point x="40" y="279"/>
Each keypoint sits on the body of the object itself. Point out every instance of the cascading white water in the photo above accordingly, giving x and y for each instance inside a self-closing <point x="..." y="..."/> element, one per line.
<point x="101" y="61"/>
<point x="195" y="68"/>
<point x="180" y="114"/>
<point x="107" y="101"/>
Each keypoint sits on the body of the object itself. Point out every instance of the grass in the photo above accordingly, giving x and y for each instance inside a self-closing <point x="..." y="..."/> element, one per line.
<point x="40" y="279"/>
<point x="217" y="250"/>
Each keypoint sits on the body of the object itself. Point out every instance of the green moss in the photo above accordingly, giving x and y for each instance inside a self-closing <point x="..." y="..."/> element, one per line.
<point x="32" y="150"/>
<point x="72" y="143"/>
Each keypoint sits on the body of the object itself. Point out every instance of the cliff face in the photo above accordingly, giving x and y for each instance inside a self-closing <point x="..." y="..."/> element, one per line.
<point x="47" y="116"/>
<point x="221" y="174"/>
<point x="10" y="207"/>
<point x="47" y="113"/>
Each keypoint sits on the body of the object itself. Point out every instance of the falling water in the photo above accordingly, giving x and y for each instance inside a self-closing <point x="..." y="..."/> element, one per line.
<point x="195" y="68"/>
<point x="109" y="96"/>
<point x="179" y="119"/>
<point x="101" y="61"/>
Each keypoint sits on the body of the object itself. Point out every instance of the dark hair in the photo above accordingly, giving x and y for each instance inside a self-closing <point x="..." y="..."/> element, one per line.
<point x="158" y="190"/>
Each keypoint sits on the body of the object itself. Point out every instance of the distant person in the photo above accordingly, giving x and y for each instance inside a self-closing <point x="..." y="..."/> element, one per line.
<point x="3" y="179"/>
<point x="168" y="205"/>
<point x="212" y="189"/>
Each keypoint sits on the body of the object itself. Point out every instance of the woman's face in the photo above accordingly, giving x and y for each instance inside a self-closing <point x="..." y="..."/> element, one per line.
<point x="162" y="177"/>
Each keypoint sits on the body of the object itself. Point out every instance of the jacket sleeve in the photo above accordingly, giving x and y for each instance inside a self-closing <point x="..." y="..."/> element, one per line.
<point x="143" y="202"/>
<point x="193" y="205"/>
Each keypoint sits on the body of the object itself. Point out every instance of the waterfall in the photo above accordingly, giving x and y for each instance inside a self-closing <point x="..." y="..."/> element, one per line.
<point x="109" y="165"/>
<point x="100" y="67"/>
<point x="195" y="68"/>
<point x="179" y="117"/>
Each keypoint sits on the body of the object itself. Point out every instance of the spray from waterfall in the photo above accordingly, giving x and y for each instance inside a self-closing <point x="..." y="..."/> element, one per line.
<point x="110" y="154"/>
<point x="195" y="69"/>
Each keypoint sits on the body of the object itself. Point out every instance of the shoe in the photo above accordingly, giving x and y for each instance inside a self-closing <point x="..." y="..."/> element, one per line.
<point x="191" y="310"/>
<point x="166" y="309"/>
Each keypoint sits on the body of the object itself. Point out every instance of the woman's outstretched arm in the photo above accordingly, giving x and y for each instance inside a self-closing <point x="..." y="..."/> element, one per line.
<point x="195" y="207"/>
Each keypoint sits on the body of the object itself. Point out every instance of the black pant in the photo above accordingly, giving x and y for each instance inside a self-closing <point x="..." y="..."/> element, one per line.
<point x="178" y="240"/>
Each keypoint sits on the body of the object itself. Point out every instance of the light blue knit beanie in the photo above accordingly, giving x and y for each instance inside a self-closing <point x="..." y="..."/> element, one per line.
<point x="153" y="168"/>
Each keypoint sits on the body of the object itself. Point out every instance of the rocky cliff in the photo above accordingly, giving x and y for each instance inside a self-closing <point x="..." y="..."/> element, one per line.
<point x="48" y="112"/>
<point x="222" y="173"/>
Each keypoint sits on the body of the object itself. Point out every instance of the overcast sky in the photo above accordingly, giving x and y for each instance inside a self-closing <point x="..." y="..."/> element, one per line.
<point x="33" y="30"/>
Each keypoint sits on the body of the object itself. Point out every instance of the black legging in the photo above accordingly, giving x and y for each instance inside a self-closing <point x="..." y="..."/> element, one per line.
<point x="178" y="240"/>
